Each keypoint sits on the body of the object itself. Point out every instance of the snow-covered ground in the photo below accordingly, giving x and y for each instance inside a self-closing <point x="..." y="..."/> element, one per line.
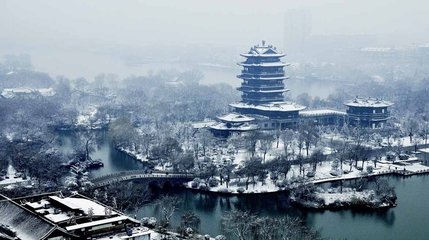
<point x="258" y="187"/>
<point x="11" y="178"/>
<point x="86" y="116"/>
<point x="322" y="174"/>
<point x="324" y="171"/>
<point x="426" y="150"/>
<point x="133" y="153"/>
<point x="346" y="196"/>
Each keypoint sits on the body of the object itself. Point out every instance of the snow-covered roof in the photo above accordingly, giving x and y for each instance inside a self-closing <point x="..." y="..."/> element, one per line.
<point x="320" y="112"/>
<point x="37" y="205"/>
<point x="23" y="222"/>
<point x="262" y="78"/>
<point x="226" y="127"/>
<point x="204" y="124"/>
<point x="77" y="203"/>
<point x="136" y="233"/>
<point x="263" y="91"/>
<point x="264" y="64"/>
<point x="235" y="117"/>
<point x="97" y="223"/>
<point x="11" y="92"/>
<point x="376" y="49"/>
<point x="273" y="106"/>
<point x="263" y="51"/>
<point x="368" y="102"/>
<point x="56" y="218"/>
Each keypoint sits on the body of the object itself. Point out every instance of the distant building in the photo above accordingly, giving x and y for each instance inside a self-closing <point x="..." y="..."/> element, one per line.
<point x="262" y="104"/>
<point x="52" y="216"/>
<point x="297" y="30"/>
<point x="368" y="112"/>
<point x="28" y="93"/>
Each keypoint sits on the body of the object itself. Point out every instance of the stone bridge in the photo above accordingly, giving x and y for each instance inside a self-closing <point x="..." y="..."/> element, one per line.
<point x="173" y="178"/>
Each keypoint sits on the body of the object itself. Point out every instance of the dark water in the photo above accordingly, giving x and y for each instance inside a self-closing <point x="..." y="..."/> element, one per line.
<point x="114" y="161"/>
<point x="409" y="220"/>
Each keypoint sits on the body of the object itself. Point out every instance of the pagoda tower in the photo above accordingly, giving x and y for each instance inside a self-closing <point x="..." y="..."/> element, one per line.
<point x="262" y="104"/>
<point x="262" y="75"/>
<point x="263" y="89"/>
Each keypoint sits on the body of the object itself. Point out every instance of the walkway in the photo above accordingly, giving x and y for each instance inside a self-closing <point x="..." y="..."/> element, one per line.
<point x="139" y="174"/>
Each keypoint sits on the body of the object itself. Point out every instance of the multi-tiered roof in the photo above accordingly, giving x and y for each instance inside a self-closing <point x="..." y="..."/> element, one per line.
<point x="262" y="75"/>
<point x="368" y="103"/>
<point x="262" y="86"/>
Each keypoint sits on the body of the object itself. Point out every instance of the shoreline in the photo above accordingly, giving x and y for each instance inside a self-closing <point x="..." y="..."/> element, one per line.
<point x="394" y="173"/>
<point x="233" y="192"/>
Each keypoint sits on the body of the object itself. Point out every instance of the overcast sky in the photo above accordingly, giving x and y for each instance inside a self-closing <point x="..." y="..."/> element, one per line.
<point x="28" y="25"/>
<point x="221" y="21"/>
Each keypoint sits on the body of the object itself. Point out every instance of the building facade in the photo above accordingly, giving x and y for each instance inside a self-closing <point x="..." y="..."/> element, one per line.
<point x="324" y="117"/>
<point x="368" y="112"/>
<point x="263" y="90"/>
<point x="52" y="216"/>
<point x="233" y="123"/>
<point x="263" y="107"/>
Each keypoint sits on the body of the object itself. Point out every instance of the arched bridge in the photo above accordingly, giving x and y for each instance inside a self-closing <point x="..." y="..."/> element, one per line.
<point x="140" y="174"/>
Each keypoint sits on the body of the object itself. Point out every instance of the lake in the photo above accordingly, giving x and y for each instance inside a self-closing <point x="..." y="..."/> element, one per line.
<point x="408" y="220"/>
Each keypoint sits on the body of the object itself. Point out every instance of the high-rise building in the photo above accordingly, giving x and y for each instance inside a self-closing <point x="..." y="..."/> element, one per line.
<point x="297" y="30"/>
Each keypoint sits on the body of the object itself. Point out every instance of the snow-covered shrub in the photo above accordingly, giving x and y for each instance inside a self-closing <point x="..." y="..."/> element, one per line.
<point x="241" y="184"/>
<point x="196" y="182"/>
<point x="149" y="222"/>
<point x="213" y="182"/>
<point x="233" y="182"/>
<point x="370" y="169"/>
<point x="220" y="237"/>
<point x="189" y="231"/>
<point x="223" y="190"/>
<point x="240" y="190"/>
<point x="282" y="184"/>
<point x="335" y="164"/>
<point x="204" y="188"/>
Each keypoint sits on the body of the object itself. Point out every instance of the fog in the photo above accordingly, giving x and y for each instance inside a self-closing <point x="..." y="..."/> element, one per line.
<point x="84" y="38"/>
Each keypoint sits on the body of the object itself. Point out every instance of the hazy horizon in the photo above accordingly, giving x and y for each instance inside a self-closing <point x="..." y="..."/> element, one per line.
<point x="83" y="38"/>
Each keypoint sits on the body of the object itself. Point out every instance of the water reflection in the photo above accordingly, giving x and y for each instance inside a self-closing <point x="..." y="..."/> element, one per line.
<point x="406" y="221"/>
<point x="114" y="161"/>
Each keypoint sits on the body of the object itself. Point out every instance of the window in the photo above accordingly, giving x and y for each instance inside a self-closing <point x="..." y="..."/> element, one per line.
<point x="266" y="125"/>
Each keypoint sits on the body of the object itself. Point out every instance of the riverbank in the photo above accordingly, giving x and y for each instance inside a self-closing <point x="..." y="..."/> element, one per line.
<point x="347" y="198"/>
<point x="407" y="218"/>
<point x="133" y="153"/>
<point x="323" y="174"/>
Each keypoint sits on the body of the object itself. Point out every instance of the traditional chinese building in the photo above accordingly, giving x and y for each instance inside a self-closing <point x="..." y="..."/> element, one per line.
<point x="53" y="216"/>
<point x="233" y="123"/>
<point x="324" y="116"/>
<point x="368" y="112"/>
<point x="263" y="91"/>
<point x="262" y="104"/>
